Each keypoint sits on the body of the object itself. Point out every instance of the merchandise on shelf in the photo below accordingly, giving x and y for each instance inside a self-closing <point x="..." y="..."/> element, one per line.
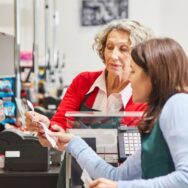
<point x="7" y="89"/>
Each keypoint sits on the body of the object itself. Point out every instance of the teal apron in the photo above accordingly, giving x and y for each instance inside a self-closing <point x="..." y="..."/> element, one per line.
<point x="156" y="159"/>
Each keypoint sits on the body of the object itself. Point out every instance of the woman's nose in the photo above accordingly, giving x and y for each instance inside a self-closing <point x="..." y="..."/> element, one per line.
<point x="115" y="54"/>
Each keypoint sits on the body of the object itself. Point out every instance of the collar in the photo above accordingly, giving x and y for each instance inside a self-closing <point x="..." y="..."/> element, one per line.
<point x="100" y="82"/>
<point x="126" y="94"/>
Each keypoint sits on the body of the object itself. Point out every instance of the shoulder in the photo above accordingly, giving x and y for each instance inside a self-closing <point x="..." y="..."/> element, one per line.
<point x="176" y="101"/>
<point x="175" y="111"/>
<point x="88" y="76"/>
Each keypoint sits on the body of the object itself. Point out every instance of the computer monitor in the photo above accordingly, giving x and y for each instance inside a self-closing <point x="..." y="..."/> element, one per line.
<point x="7" y="66"/>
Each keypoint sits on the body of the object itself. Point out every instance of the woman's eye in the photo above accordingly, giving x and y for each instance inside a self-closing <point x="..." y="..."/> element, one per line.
<point x="132" y="71"/>
<point x="125" y="49"/>
<point x="109" y="47"/>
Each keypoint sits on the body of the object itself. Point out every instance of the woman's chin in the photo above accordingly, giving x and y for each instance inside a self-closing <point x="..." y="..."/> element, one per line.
<point x="137" y="100"/>
<point x="115" y="72"/>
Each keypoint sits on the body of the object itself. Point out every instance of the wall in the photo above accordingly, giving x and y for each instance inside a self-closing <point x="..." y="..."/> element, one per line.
<point x="174" y="21"/>
<point x="167" y="18"/>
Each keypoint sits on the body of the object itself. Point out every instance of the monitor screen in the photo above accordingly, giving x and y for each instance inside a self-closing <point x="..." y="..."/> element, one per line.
<point x="7" y="67"/>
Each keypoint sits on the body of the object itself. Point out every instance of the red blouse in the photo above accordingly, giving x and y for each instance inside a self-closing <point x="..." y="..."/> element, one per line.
<point x="75" y="94"/>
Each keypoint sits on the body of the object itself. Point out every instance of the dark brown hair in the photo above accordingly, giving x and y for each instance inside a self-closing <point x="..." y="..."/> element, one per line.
<point x="166" y="63"/>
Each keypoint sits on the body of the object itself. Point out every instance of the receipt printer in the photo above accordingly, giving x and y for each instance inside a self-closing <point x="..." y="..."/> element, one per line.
<point x="23" y="152"/>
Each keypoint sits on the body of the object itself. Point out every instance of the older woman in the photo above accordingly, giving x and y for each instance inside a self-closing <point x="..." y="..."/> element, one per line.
<point x="108" y="90"/>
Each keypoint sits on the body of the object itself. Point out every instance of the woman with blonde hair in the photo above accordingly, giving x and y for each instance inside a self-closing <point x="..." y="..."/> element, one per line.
<point x="107" y="90"/>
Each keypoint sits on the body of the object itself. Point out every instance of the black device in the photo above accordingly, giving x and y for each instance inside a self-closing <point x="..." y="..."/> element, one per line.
<point x="23" y="152"/>
<point x="128" y="142"/>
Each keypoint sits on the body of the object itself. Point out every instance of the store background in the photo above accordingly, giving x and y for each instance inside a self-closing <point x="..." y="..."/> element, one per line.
<point x="74" y="42"/>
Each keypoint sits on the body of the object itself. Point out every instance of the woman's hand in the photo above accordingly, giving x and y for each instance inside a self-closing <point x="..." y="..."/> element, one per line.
<point x="62" y="138"/>
<point x="42" y="138"/>
<point x="32" y="120"/>
<point x="103" y="183"/>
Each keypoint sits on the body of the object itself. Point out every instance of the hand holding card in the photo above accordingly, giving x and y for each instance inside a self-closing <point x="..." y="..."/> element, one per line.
<point x="47" y="132"/>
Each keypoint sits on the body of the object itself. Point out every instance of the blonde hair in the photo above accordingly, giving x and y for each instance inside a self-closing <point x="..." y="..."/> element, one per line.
<point x="138" y="33"/>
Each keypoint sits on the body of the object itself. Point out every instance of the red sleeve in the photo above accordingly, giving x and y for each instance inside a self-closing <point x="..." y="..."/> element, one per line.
<point x="72" y="99"/>
<point x="131" y="106"/>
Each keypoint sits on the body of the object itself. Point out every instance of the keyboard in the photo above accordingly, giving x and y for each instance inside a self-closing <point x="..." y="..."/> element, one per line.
<point x="128" y="142"/>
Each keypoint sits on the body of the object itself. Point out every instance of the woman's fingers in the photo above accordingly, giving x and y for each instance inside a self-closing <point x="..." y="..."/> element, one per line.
<point x="33" y="120"/>
<point x="42" y="139"/>
<point x="103" y="183"/>
<point x="57" y="128"/>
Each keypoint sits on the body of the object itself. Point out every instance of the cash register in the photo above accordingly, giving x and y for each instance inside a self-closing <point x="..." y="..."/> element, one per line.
<point x="91" y="124"/>
<point x="23" y="151"/>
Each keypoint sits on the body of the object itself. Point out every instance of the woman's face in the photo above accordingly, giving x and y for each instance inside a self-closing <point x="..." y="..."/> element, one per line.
<point x="117" y="53"/>
<point x="140" y="83"/>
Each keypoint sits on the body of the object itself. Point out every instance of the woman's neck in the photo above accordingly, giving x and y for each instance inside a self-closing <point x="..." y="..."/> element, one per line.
<point x="115" y="84"/>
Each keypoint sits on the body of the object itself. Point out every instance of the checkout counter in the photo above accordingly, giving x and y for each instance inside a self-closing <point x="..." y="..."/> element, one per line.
<point x="104" y="142"/>
<point x="27" y="163"/>
<point x="90" y="126"/>
<point x="29" y="179"/>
